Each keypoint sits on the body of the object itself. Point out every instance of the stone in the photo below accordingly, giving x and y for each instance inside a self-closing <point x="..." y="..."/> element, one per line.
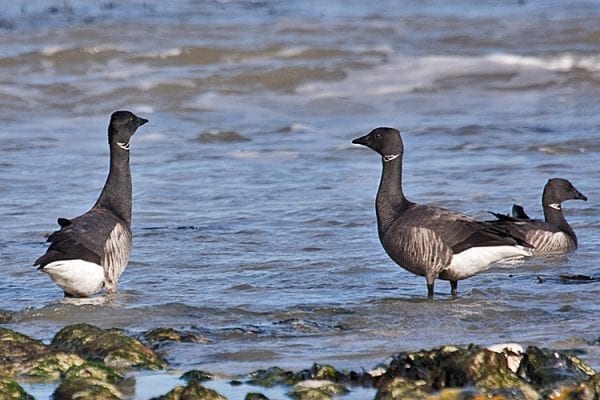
<point x="272" y="376"/>
<point x="53" y="366"/>
<point x="161" y="335"/>
<point x="86" y="388"/>
<point x="543" y="367"/>
<point x="109" y="346"/>
<point x="317" y="390"/>
<point x="197" y="376"/>
<point x="19" y="352"/>
<point x="10" y="389"/>
<point x="192" y="391"/>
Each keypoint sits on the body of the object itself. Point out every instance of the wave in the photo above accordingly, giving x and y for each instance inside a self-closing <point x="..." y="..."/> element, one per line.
<point x="404" y="74"/>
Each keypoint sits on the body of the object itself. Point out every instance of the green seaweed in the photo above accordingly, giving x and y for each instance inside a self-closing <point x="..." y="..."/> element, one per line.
<point x="110" y="346"/>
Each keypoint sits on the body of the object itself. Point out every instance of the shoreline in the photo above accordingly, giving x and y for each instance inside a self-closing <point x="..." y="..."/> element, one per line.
<point x="84" y="360"/>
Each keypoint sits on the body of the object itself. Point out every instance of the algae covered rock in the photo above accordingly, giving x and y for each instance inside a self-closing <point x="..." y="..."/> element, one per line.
<point x="451" y="366"/>
<point x="197" y="376"/>
<point x="317" y="390"/>
<point x="5" y="316"/>
<point x="272" y="376"/>
<point x="10" y="389"/>
<point x="86" y="388"/>
<point x="89" y="380"/>
<point x="110" y="346"/>
<point x="403" y="388"/>
<point x="93" y="370"/>
<point x="192" y="391"/>
<point x="319" y="371"/>
<point x="543" y="367"/>
<point x="53" y="365"/>
<point x="159" y="336"/>
<point x="255" y="396"/>
<point x="18" y="352"/>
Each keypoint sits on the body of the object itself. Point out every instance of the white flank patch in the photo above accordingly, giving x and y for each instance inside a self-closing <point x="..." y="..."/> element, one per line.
<point x="77" y="277"/>
<point x="476" y="259"/>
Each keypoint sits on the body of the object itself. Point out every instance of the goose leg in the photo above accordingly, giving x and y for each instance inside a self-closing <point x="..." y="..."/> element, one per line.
<point x="430" y="281"/>
<point x="454" y="288"/>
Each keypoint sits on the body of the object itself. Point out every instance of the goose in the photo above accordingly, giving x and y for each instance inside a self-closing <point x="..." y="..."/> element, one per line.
<point x="427" y="240"/>
<point x="552" y="236"/>
<point x="90" y="252"/>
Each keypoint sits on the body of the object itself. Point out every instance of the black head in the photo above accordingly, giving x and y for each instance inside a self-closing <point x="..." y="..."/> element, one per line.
<point x="123" y="125"/>
<point x="558" y="190"/>
<point x="385" y="141"/>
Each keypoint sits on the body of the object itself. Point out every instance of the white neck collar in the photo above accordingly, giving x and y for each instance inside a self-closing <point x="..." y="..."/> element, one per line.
<point x="556" y="206"/>
<point x="124" y="146"/>
<point x="390" y="157"/>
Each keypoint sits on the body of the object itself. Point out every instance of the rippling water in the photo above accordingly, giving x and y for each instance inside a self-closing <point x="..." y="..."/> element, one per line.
<point x="254" y="219"/>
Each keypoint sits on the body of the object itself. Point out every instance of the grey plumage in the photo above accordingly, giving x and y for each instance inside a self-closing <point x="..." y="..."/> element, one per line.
<point x="426" y="240"/>
<point x="101" y="236"/>
<point x="553" y="235"/>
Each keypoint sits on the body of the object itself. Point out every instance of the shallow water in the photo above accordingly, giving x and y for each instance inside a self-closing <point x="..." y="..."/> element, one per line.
<point x="253" y="215"/>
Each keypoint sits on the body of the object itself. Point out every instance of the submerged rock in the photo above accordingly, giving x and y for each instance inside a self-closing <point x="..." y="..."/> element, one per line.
<point x="19" y="352"/>
<point x="158" y="336"/>
<point x="110" y="346"/>
<point x="221" y="136"/>
<point x="193" y="390"/>
<point x="10" y="389"/>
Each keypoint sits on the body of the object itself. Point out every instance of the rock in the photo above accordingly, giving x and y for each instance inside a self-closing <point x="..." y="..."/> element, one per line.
<point x="52" y="366"/>
<point x="451" y="366"/>
<point x="18" y="352"/>
<point x="193" y="391"/>
<point x="547" y="367"/>
<point x="5" y="316"/>
<point x="109" y="346"/>
<point x="402" y="388"/>
<point x="255" y="396"/>
<point x="513" y="353"/>
<point x="85" y="388"/>
<point x="318" y="371"/>
<point x="272" y="376"/>
<point x="221" y="136"/>
<point x="317" y="390"/>
<point x="197" y="376"/>
<point x="160" y="335"/>
<point x="10" y="389"/>
<point x="96" y="371"/>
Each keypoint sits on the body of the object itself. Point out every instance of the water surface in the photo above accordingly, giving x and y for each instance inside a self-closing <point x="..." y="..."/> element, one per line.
<point x="253" y="217"/>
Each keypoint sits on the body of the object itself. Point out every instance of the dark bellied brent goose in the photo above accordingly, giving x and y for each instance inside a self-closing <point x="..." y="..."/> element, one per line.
<point x="426" y="240"/>
<point x="91" y="251"/>
<point x="554" y="235"/>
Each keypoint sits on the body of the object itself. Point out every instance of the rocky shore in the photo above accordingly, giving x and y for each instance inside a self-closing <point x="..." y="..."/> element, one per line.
<point x="87" y="362"/>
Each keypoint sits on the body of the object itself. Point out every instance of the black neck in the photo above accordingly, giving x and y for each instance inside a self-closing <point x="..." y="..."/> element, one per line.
<point x="116" y="194"/>
<point x="555" y="217"/>
<point x="390" y="202"/>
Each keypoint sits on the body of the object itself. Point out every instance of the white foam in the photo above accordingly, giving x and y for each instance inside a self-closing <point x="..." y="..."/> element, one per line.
<point x="403" y="74"/>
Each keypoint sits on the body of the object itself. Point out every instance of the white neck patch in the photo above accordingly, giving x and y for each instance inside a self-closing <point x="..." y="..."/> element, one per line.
<point x="124" y="146"/>
<point x="390" y="157"/>
<point x="556" y="206"/>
